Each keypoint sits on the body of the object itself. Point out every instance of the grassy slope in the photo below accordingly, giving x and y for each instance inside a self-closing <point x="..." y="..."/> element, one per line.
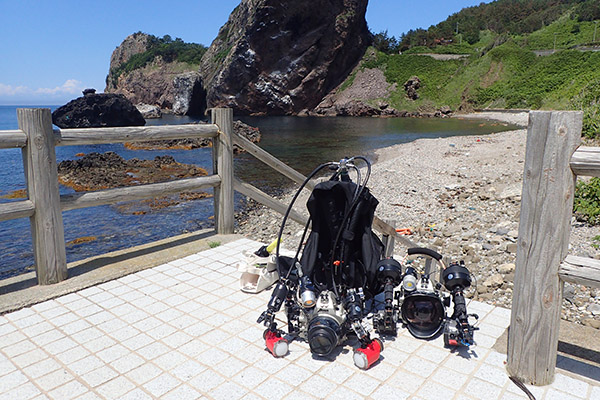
<point x="509" y="75"/>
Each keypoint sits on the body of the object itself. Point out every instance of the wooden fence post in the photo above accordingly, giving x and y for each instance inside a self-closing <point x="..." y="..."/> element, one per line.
<point x="544" y="228"/>
<point x="39" y="161"/>
<point x="223" y="166"/>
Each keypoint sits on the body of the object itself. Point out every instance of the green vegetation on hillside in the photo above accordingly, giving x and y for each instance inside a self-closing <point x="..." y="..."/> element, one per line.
<point x="168" y="49"/>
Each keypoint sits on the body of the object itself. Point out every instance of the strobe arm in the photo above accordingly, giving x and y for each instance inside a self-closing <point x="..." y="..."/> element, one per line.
<point x="277" y="299"/>
<point x="465" y="330"/>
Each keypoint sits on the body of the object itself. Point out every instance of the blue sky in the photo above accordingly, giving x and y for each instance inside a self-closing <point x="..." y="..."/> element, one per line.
<point x="51" y="50"/>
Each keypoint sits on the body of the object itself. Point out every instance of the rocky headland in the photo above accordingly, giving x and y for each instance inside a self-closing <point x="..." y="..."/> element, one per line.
<point x="460" y="196"/>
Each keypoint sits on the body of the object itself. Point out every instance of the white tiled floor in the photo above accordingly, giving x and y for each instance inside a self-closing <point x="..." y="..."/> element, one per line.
<point x="184" y="330"/>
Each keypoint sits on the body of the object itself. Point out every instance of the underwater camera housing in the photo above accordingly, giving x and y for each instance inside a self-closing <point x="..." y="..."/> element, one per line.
<point x="324" y="286"/>
<point x="421" y="305"/>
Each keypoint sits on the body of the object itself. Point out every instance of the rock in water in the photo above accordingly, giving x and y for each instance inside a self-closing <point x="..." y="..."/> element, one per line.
<point x="275" y="57"/>
<point x="149" y="111"/>
<point x="98" y="110"/>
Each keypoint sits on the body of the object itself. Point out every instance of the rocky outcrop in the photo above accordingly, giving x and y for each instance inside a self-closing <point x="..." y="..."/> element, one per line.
<point x="96" y="171"/>
<point x="275" y="57"/>
<point x="189" y="95"/>
<point x="149" y="111"/>
<point x="133" y="44"/>
<point x="168" y="85"/>
<point x="411" y="86"/>
<point x="97" y="110"/>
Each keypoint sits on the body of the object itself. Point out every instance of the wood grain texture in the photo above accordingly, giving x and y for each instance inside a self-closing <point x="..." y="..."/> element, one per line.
<point x="258" y="195"/>
<point x="544" y="228"/>
<point x="223" y="166"/>
<point x="39" y="160"/>
<point x="581" y="270"/>
<point x="586" y="161"/>
<point x="112" y="196"/>
<point x="16" y="209"/>
<point x="83" y="136"/>
<point x="12" y="139"/>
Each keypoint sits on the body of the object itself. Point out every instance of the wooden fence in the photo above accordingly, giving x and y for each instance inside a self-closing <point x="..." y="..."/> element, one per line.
<point x="44" y="205"/>
<point x="552" y="163"/>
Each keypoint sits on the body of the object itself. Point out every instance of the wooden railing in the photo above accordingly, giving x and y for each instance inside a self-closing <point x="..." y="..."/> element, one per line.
<point x="552" y="163"/>
<point x="44" y="205"/>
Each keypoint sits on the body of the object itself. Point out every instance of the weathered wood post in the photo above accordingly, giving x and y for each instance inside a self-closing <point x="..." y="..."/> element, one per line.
<point x="223" y="166"/>
<point x="544" y="228"/>
<point x="41" y="175"/>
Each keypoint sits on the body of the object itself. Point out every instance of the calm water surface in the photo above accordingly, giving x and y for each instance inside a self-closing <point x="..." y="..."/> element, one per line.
<point x="302" y="143"/>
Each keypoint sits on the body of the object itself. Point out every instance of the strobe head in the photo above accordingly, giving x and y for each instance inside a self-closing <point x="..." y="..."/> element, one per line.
<point x="389" y="270"/>
<point x="323" y="335"/>
<point x="456" y="276"/>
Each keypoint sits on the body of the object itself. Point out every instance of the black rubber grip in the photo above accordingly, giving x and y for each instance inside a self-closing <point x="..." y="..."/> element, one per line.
<point x="425" y="251"/>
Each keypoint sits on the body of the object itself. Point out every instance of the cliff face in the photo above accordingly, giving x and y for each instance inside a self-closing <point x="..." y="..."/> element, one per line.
<point x="169" y="85"/>
<point x="133" y="44"/>
<point x="279" y="57"/>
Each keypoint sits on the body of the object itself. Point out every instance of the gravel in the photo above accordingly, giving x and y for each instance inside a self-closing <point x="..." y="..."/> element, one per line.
<point x="460" y="196"/>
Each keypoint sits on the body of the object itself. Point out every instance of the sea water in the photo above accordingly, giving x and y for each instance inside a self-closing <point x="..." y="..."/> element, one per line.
<point x="301" y="142"/>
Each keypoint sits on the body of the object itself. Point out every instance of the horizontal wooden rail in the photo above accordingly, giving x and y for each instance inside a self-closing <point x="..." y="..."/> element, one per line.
<point x="111" y="196"/>
<point x="586" y="161"/>
<point x="581" y="270"/>
<point x="258" y="195"/>
<point x="70" y="137"/>
<point x="16" y="209"/>
<point x="11" y="139"/>
<point x="271" y="161"/>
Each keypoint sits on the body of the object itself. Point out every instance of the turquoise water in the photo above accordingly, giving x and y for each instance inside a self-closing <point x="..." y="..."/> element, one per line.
<point x="302" y="143"/>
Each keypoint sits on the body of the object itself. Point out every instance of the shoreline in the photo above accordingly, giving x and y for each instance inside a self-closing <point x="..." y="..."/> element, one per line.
<point x="461" y="196"/>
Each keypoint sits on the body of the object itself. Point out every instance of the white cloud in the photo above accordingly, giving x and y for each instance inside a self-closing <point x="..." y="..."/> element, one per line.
<point x="71" y="86"/>
<point x="8" y="90"/>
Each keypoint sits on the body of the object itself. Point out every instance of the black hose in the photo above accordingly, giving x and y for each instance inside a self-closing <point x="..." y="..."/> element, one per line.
<point x="360" y="188"/>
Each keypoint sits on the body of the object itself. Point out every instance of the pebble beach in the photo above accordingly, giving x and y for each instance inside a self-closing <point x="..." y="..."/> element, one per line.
<point x="461" y="197"/>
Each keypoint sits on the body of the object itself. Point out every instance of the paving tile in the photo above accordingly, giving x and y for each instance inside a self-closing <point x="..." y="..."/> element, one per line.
<point x="40" y="368"/>
<point x="362" y="383"/>
<point x="54" y="379"/>
<point x="19" y="348"/>
<point x="206" y="381"/>
<point x="228" y="391"/>
<point x="99" y="376"/>
<point x="575" y="387"/>
<point x="170" y="360"/>
<point x="46" y="337"/>
<point x="343" y="393"/>
<point x="23" y="392"/>
<point x="188" y="370"/>
<point x="161" y="385"/>
<point x="419" y="366"/>
<point x="116" y="388"/>
<point x="72" y="355"/>
<point x="12" y="380"/>
<point x="405" y="381"/>
<point x="127" y="363"/>
<point x="553" y="394"/>
<point x="67" y="391"/>
<point x="275" y="389"/>
<point x="336" y="372"/>
<point x="318" y="386"/>
<point x="144" y="373"/>
<point x="34" y="330"/>
<point x="480" y="389"/>
<point x="86" y="364"/>
<point x="26" y="359"/>
<point x="183" y="392"/>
